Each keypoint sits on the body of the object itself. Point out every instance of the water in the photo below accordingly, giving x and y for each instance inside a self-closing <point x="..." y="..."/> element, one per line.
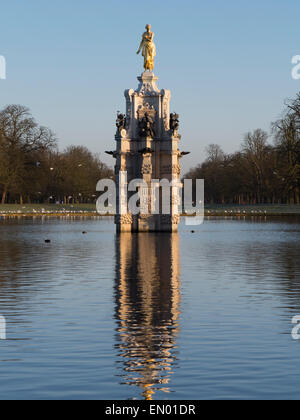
<point x="182" y="316"/>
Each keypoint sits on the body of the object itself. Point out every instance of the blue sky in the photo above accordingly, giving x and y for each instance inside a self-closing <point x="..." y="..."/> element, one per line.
<point x="227" y="63"/>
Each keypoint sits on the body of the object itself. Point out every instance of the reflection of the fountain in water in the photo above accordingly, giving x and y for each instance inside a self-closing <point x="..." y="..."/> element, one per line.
<point x="147" y="296"/>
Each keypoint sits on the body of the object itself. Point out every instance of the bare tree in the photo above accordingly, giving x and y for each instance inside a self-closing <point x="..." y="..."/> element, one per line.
<point x="287" y="141"/>
<point x="214" y="153"/>
<point x="255" y="150"/>
<point x="20" y="136"/>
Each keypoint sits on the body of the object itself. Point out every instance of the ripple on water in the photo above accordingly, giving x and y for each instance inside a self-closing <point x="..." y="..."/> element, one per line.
<point x="149" y="316"/>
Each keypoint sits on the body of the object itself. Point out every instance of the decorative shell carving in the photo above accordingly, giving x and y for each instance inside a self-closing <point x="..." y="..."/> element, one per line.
<point x="146" y="169"/>
<point x="146" y="108"/>
<point x="123" y="219"/>
<point x="146" y="89"/>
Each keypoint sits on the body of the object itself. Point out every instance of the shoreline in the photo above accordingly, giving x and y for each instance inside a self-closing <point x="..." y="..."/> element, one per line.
<point x="208" y="214"/>
<point x="89" y="210"/>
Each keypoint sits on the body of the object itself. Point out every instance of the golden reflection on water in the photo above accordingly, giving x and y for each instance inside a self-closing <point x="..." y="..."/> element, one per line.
<point x="147" y="293"/>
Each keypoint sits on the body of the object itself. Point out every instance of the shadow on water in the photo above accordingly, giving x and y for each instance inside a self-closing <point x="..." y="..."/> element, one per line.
<point x="147" y="310"/>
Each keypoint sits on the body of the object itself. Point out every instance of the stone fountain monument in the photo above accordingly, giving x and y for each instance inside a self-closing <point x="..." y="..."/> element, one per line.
<point x="147" y="148"/>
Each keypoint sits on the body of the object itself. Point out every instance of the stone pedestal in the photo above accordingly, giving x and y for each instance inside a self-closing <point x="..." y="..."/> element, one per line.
<point x="146" y="152"/>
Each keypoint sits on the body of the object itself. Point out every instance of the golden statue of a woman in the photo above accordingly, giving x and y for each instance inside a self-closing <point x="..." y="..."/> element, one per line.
<point x="148" y="49"/>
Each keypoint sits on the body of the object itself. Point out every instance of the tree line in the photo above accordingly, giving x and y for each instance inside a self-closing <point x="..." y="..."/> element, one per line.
<point x="266" y="169"/>
<point x="33" y="170"/>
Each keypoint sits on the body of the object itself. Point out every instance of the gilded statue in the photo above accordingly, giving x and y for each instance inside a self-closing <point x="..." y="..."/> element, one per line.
<point x="148" y="49"/>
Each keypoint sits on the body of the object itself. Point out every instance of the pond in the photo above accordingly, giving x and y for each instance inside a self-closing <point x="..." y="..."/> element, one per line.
<point x="204" y="315"/>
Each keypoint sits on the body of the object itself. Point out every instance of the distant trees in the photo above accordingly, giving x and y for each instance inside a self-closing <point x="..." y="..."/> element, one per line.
<point x="287" y="141"/>
<point x="71" y="176"/>
<point x="260" y="172"/>
<point x="33" y="170"/>
<point x="20" y="139"/>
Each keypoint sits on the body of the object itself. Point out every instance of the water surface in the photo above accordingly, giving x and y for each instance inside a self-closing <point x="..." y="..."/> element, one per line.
<point x="140" y="316"/>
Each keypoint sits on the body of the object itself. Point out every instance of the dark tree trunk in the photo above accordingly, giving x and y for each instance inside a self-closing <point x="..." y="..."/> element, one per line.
<point x="4" y="197"/>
